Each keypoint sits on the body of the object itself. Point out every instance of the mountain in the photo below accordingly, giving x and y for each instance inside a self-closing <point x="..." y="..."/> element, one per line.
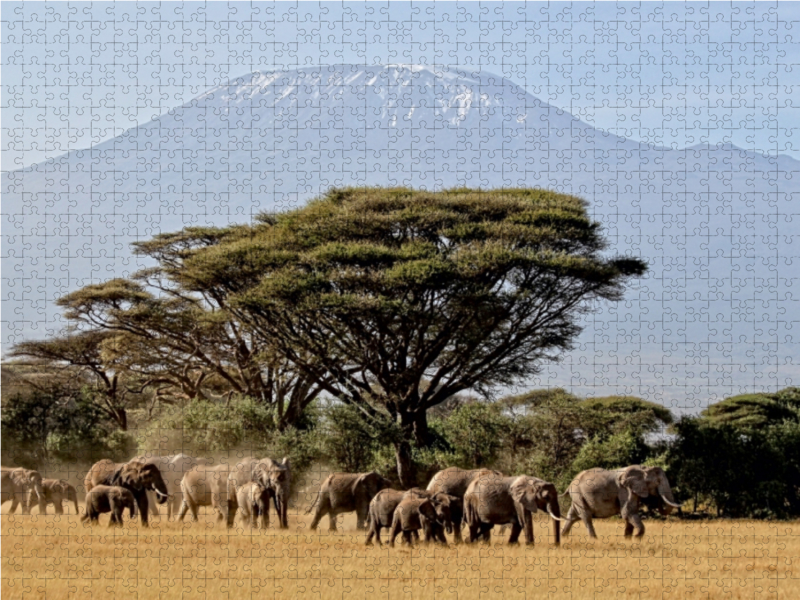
<point x="714" y="316"/>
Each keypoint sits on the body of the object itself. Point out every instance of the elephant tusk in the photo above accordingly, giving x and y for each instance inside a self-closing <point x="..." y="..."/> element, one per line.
<point x="161" y="493"/>
<point x="550" y="512"/>
<point x="672" y="504"/>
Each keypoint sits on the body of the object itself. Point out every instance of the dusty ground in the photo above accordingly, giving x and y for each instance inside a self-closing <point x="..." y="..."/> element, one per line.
<point x="58" y="557"/>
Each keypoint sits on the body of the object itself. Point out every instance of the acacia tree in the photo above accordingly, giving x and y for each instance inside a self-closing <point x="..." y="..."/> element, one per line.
<point x="81" y="350"/>
<point x="152" y="333"/>
<point x="376" y="291"/>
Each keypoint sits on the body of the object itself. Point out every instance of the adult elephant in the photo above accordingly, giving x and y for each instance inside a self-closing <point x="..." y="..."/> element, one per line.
<point x="493" y="499"/>
<point x="55" y="492"/>
<point x="204" y="485"/>
<point x="135" y="476"/>
<point x="16" y="484"/>
<point x="275" y="476"/>
<point x="455" y="481"/>
<point x="172" y="468"/>
<point x="346" y="492"/>
<point x="598" y="493"/>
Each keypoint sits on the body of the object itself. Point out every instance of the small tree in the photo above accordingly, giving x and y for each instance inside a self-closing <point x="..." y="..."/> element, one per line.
<point x="375" y="292"/>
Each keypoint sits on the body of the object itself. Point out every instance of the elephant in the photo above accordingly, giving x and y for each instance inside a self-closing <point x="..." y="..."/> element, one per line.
<point x="253" y="500"/>
<point x="108" y="498"/>
<point x="496" y="500"/>
<point x="135" y="476"/>
<point x="204" y="485"/>
<point x="276" y="476"/>
<point x="412" y="514"/>
<point x="383" y="505"/>
<point x="346" y="492"/>
<point x="455" y="481"/>
<point x="172" y="468"/>
<point x="55" y="492"/>
<point x="600" y="494"/>
<point x="451" y="511"/>
<point x="16" y="484"/>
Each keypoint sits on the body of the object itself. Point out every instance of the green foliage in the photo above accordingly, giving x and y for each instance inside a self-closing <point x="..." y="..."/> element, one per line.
<point x="744" y="474"/>
<point x="474" y="434"/>
<point x="618" y="414"/>
<point x="39" y="427"/>
<point x="203" y="426"/>
<point x="470" y="289"/>
<point x="612" y="452"/>
<point x="348" y="440"/>
<point x="753" y="411"/>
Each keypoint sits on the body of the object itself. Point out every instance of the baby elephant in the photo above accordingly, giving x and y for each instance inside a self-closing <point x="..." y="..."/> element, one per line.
<point x="108" y="498"/>
<point x="253" y="500"/>
<point x="412" y="514"/>
<point x="55" y="491"/>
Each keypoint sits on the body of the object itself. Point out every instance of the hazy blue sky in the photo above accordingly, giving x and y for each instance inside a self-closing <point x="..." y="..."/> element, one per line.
<point x="674" y="74"/>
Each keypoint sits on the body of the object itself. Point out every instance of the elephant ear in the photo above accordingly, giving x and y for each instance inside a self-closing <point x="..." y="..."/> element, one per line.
<point x="518" y="488"/>
<point x="633" y="478"/>
<point x="130" y="476"/>
<point x="363" y="480"/>
<point x="19" y="477"/>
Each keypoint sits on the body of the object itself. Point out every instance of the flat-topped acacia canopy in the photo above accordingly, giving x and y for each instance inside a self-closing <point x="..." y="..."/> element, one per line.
<point x="404" y="298"/>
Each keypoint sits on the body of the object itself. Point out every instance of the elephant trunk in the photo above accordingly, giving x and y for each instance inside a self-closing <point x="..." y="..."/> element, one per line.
<point x="73" y="497"/>
<point x="37" y="487"/>
<point x="668" y="503"/>
<point x="554" y="510"/>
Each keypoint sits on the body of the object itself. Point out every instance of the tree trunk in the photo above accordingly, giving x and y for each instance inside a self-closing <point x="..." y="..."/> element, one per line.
<point x="405" y="466"/>
<point x="421" y="434"/>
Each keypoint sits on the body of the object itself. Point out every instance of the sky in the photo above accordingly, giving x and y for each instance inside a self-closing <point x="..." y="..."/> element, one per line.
<point x="671" y="74"/>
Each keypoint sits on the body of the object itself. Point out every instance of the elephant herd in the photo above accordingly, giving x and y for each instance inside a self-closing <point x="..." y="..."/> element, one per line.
<point x="481" y="498"/>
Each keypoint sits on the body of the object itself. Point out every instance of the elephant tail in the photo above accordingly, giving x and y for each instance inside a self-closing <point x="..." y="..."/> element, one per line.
<point x="316" y="501"/>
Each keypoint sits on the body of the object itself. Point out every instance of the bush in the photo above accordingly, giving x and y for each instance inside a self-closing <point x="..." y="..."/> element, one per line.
<point x="616" y="451"/>
<point x="472" y="435"/>
<point x="39" y="427"/>
<point x="743" y="473"/>
<point x="203" y="426"/>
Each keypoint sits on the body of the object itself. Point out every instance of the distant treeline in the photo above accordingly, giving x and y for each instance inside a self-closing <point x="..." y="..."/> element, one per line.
<point x="739" y="458"/>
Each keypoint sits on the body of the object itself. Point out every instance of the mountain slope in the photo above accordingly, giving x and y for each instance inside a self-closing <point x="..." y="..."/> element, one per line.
<point x="713" y="221"/>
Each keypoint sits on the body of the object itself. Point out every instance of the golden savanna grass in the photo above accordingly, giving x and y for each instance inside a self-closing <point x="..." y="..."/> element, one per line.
<point x="58" y="557"/>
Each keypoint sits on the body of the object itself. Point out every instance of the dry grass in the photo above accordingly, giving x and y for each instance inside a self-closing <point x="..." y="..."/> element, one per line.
<point x="58" y="557"/>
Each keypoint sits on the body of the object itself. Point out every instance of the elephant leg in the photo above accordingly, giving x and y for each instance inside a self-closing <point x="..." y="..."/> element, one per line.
<point x="587" y="521"/>
<point x="362" y="513"/>
<point x="408" y="538"/>
<point x="183" y="510"/>
<point x="141" y="500"/>
<point x="14" y="503"/>
<point x="370" y="533"/>
<point x="628" y="529"/>
<point x="112" y="504"/>
<point x="151" y="500"/>
<point x="571" y="519"/>
<point x="473" y="533"/>
<point x="516" y="529"/>
<point x="332" y="519"/>
<point x="284" y="512"/>
<point x="457" y="532"/>
<point x="393" y="531"/>
<point x="486" y="532"/>
<point x="58" y="506"/>
<point x="265" y="515"/>
<point x="636" y="520"/>
<point x="321" y="510"/>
